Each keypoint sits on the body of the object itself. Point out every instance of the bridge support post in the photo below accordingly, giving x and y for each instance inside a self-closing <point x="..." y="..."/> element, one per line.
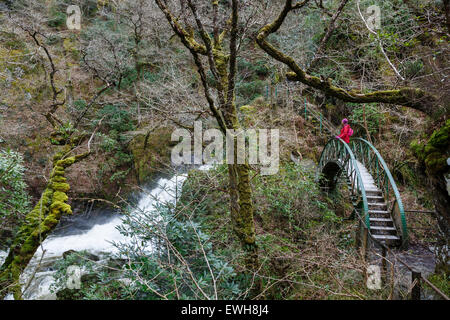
<point x="384" y="264"/>
<point x="364" y="242"/>
<point x="363" y="247"/>
<point x="415" y="292"/>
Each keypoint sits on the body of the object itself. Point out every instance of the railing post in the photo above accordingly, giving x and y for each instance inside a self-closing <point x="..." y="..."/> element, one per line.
<point x="415" y="292"/>
<point x="305" y="109"/>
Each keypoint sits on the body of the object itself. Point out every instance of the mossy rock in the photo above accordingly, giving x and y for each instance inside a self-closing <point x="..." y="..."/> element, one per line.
<point x="151" y="151"/>
<point x="435" y="152"/>
<point x="80" y="256"/>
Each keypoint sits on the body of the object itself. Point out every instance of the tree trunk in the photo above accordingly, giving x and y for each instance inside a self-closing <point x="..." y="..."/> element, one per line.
<point x="241" y="205"/>
<point x="38" y="224"/>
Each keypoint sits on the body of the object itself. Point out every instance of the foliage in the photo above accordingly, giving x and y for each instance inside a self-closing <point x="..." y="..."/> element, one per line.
<point x="170" y="257"/>
<point x="117" y="157"/>
<point x="63" y="132"/>
<point x="374" y="119"/>
<point x="442" y="281"/>
<point x="412" y="69"/>
<point x="98" y="281"/>
<point x="292" y="220"/>
<point x="116" y="117"/>
<point x="118" y="120"/>
<point x="292" y="197"/>
<point x="14" y="199"/>
<point x="180" y="260"/>
<point x="250" y="90"/>
<point x="57" y="17"/>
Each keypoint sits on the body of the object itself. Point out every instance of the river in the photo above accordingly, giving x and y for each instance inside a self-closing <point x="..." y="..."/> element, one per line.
<point x="94" y="231"/>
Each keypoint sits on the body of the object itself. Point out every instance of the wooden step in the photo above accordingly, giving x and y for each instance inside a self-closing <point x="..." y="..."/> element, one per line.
<point x="380" y="198"/>
<point x="382" y="228"/>
<point x="383" y="237"/>
<point x="378" y="211"/>
<point x="377" y="206"/>
<point x="373" y="192"/>
<point x="381" y="219"/>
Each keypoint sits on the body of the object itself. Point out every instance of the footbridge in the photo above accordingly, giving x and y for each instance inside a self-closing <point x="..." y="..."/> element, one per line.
<point x="372" y="189"/>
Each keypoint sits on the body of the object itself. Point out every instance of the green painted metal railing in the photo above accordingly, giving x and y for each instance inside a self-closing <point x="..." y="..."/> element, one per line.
<point x="307" y="109"/>
<point x="347" y="156"/>
<point x="369" y="156"/>
<point x="338" y="151"/>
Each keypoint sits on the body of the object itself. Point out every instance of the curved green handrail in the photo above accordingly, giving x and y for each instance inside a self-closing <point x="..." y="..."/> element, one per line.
<point x="375" y="164"/>
<point x="337" y="149"/>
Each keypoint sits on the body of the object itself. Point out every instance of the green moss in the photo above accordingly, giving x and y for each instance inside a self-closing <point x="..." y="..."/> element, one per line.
<point x="66" y="162"/>
<point x="57" y="172"/>
<point x="150" y="152"/>
<point x="59" y="207"/>
<point x="59" y="178"/>
<point x="435" y="152"/>
<point x="70" y="48"/>
<point x="59" y="186"/>
<point x="59" y="196"/>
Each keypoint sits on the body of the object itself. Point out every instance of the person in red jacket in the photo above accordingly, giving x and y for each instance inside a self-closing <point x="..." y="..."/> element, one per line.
<point x="345" y="131"/>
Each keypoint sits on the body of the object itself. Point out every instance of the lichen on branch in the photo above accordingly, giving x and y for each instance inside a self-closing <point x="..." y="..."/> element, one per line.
<point x="411" y="97"/>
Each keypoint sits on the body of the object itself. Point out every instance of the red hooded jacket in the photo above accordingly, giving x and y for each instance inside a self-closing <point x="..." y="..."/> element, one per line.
<point x="344" y="133"/>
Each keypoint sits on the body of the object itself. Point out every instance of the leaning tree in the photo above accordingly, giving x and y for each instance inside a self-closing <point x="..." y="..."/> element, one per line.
<point x="70" y="138"/>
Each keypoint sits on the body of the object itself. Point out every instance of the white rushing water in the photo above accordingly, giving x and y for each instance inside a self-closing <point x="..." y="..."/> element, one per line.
<point x="96" y="238"/>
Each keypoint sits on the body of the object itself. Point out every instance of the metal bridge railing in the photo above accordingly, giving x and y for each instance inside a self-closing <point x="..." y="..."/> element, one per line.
<point x="369" y="156"/>
<point x="337" y="151"/>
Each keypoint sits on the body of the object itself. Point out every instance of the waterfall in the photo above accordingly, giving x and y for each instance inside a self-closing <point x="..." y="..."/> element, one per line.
<point x="94" y="233"/>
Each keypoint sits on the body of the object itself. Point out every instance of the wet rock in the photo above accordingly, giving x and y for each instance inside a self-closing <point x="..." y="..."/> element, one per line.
<point x="81" y="256"/>
<point x="89" y="278"/>
<point x="68" y="294"/>
<point x="116" y="263"/>
<point x="6" y="236"/>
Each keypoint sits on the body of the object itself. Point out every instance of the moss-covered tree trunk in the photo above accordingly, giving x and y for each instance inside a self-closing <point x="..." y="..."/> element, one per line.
<point x="222" y="65"/>
<point x="242" y="211"/>
<point x="38" y="224"/>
